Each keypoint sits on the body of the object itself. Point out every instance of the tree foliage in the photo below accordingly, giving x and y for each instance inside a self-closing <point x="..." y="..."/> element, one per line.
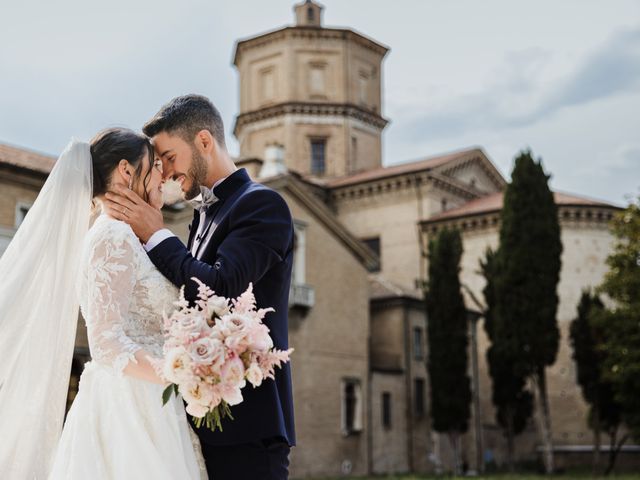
<point x="530" y="250"/>
<point x="622" y="322"/>
<point x="527" y="271"/>
<point x="512" y="401"/>
<point x="448" y="340"/>
<point x="588" y="338"/>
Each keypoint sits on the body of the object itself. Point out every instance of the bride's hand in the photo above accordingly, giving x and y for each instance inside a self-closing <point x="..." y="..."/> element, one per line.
<point x="124" y="204"/>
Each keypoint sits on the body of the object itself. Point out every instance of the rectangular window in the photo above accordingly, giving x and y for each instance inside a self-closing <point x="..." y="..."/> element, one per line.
<point x="363" y="84"/>
<point x="299" y="252"/>
<point x="418" y="392"/>
<point x="267" y="85"/>
<point x="351" y="407"/>
<point x="386" y="410"/>
<point x="354" y="154"/>
<point x="318" y="152"/>
<point x="21" y="212"/>
<point x="374" y="244"/>
<point x="418" y="344"/>
<point x="317" y="80"/>
<point x="301" y="295"/>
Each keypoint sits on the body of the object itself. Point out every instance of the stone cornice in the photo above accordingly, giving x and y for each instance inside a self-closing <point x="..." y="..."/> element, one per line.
<point x="309" y="108"/>
<point x="569" y="215"/>
<point x="485" y="164"/>
<point x="310" y="32"/>
<point x="472" y="192"/>
<point x="402" y="182"/>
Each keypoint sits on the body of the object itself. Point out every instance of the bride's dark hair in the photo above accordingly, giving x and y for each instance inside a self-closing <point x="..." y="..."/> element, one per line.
<point x="110" y="146"/>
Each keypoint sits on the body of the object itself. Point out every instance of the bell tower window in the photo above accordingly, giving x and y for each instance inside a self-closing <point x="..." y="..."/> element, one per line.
<point x="317" y="80"/>
<point x="318" y="152"/>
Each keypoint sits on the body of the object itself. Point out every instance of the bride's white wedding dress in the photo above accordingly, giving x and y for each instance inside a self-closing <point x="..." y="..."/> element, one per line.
<point x="117" y="427"/>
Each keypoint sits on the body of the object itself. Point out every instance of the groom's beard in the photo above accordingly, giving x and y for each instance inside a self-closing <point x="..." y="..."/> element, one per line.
<point x="197" y="173"/>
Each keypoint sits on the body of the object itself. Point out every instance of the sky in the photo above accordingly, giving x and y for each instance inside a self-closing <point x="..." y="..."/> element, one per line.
<point x="559" y="78"/>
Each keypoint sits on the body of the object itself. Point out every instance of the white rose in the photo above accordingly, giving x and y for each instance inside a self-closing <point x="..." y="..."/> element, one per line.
<point x="218" y="306"/>
<point x="172" y="192"/>
<point x="177" y="366"/>
<point x="196" y="410"/>
<point x="254" y="374"/>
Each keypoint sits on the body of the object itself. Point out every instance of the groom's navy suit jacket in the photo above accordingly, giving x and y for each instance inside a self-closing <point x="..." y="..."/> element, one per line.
<point x="252" y="241"/>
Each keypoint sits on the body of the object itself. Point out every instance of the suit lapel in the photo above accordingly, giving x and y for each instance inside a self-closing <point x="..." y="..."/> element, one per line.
<point x="218" y="217"/>
<point x="193" y="228"/>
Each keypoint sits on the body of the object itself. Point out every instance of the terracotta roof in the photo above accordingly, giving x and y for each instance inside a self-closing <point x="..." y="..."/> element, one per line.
<point x="493" y="203"/>
<point x="402" y="168"/>
<point x="20" y="157"/>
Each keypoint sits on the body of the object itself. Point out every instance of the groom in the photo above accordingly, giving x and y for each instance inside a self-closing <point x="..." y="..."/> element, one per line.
<point x="241" y="232"/>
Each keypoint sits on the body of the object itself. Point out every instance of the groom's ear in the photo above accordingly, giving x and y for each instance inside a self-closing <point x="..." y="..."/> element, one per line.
<point x="205" y="141"/>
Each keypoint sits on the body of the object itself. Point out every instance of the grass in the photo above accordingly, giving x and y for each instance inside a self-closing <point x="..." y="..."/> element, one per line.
<point x="572" y="476"/>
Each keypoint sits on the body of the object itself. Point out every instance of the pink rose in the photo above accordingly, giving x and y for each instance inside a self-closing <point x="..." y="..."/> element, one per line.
<point x="207" y="351"/>
<point x="199" y="397"/>
<point x="258" y="338"/>
<point x="230" y="394"/>
<point x="232" y="373"/>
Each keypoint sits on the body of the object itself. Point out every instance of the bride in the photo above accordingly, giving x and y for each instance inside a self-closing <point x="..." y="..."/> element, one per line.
<point x="117" y="427"/>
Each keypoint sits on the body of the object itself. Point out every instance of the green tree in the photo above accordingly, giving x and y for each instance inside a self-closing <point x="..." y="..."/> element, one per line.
<point x="587" y="339"/>
<point x="530" y="251"/>
<point x="447" y="332"/>
<point x="513" y="403"/>
<point x="622" y="321"/>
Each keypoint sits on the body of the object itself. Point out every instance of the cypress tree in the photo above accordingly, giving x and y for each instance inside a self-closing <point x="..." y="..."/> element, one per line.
<point x="448" y="340"/>
<point x="512" y="401"/>
<point x="530" y="250"/>
<point x="587" y="339"/>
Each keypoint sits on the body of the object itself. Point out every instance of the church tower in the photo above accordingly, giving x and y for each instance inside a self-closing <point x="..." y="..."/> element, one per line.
<point x="315" y="91"/>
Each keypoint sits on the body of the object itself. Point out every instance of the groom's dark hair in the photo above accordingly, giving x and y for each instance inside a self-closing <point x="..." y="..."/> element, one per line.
<point x="186" y="116"/>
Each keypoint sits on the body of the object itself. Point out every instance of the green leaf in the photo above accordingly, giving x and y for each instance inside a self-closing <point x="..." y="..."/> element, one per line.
<point x="166" y="395"/>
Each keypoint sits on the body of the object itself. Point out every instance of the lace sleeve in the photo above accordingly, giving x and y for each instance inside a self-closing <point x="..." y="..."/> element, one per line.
<point x="111" y="279"/>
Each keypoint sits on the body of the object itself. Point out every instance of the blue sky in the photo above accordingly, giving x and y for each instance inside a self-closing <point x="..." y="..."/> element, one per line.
<point x="561" y="78"/>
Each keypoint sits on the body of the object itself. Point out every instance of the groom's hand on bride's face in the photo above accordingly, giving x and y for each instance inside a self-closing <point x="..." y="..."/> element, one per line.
<point x="124" y="204"/>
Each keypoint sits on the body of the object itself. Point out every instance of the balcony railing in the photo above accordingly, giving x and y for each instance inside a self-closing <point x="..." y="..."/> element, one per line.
<point x="302" y="295"/>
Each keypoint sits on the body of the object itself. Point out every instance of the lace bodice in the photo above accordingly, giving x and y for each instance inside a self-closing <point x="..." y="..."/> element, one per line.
<point x="123" y="295"/>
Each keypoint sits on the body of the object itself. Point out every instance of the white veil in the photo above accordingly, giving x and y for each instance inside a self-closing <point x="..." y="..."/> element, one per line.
<point x="39" y="314"/>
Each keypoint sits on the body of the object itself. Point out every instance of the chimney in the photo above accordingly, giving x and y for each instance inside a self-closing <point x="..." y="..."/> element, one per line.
<point x="273" y="162"/>
<point x="308" y="14"/>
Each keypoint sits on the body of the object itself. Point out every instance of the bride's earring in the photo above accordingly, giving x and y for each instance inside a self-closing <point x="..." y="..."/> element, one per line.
<point x="130" y="182"/>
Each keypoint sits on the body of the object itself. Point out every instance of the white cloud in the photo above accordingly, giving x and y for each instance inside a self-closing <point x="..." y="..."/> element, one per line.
<point x="498" y="74"/>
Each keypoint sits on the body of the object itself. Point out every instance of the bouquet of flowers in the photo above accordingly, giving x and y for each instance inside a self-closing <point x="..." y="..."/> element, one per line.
<point x="212" y="349"/>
